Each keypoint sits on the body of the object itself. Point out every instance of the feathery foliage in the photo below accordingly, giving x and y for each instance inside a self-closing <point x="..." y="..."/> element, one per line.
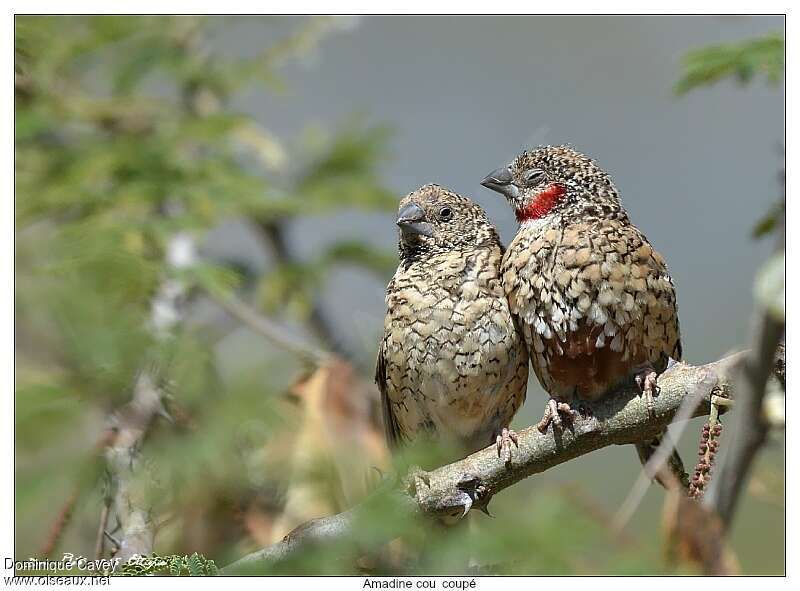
<point x="125" y="137"/>
<point x="741" y="61"/>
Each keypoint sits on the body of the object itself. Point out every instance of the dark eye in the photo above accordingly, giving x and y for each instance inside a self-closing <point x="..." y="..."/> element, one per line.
<point x="445" y="213"/>
<point x="534" y="177"/>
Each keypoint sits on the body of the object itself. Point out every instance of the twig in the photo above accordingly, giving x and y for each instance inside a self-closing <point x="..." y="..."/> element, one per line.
<point x="131" y="423"/>
<point x="622" y="418"/>
<point x="693" y="537"/>
<point x="314" y="532"/>
<point x="270" y="330"/>
<point x="659" y="458"/>
<point x="60" y="523"/>
<point x="274" y="235"/>
<point x="101" y="531"/>
<point x="749" y="427"/>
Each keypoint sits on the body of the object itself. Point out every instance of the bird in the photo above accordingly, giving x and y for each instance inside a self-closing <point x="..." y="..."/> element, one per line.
<point x="452" y="368"/>
<point x="594" y="300"/>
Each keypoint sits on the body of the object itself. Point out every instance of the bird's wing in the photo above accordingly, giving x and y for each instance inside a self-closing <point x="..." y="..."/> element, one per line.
<point x="659" y="284"/>
<point x="392" y="430"/>
<point x="620" y="287"/>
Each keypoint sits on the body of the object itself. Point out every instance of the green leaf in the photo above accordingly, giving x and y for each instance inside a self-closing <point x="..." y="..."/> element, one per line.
<point x="175" y="565"/>
<point x="741" y="61"/>
<point x="218" y="280"/>
<point x="291" y="287"/>
<point x="211" y="568"/>
<point x="343" y="172"/>
<point x="767" y="224"/>
<point x="195" y="565"/>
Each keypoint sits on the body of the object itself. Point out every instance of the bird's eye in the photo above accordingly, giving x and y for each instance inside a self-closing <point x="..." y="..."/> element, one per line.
<point x="534" y="177"/>
<point x="445" y="213"/>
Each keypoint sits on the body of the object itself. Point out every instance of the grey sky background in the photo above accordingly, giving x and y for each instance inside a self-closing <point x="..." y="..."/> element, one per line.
<point x="466" y="94"/>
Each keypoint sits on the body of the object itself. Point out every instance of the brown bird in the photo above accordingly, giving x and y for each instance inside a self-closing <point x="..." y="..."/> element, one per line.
<point x="595" y="301"/>
<point x="451" y="367"/>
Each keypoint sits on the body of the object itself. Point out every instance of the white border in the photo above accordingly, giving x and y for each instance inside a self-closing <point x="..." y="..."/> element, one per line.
<point x="238" y="6"/>
<point x="410" y="7"/>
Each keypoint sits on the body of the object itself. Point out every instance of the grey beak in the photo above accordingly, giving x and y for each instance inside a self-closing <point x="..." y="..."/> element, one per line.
<point x="411" y="220"/>
<point x="500" y="180"/>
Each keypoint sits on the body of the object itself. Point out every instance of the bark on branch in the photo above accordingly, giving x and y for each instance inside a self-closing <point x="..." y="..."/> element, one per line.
<point x="621" y="418"/>
<point x="128" y="497"/>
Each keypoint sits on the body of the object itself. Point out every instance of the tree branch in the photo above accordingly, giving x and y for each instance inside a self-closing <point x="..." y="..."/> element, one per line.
<point x="750" y="428"/>
<point x="274" y="234"/>
<point x="270" y="330"/>
<point x="621" y="418"/>
<point x="124" y="464"/>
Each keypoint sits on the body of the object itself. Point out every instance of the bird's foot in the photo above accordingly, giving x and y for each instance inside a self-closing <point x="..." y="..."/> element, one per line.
<point x="646" y="378"/>
<point x="552" y="414"/>
<point x="504" y="441"/>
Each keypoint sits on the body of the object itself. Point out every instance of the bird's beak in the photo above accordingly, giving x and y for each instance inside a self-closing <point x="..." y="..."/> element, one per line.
<point x="500" y="180"/>
<point x="411" y="220"/>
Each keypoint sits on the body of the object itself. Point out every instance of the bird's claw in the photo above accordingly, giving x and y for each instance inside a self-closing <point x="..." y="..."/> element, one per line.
<point x="473" y="490"/>
<point x="552" y="414"/>
<point x="467" y="505"/>
<point x="504" y="441"/>
<point x="647" y="380"/>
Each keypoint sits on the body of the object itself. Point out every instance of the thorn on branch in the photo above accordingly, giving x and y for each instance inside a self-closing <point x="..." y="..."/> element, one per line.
<point x="476" y="494"/>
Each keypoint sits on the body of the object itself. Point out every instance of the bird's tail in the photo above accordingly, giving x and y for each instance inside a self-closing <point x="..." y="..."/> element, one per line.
<point x="672" y="474"/>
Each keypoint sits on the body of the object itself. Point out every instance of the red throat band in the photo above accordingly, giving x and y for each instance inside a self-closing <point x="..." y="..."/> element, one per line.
<point x="545" y="201"/>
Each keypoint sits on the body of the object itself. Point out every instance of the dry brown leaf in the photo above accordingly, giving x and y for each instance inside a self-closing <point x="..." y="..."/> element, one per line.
<point x="337" y="448"/>
<point x="694" y="537"/>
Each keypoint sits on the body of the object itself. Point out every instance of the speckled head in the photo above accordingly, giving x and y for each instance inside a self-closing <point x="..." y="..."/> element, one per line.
<point x="556" y="181"/>
<point x="436" y="219"/>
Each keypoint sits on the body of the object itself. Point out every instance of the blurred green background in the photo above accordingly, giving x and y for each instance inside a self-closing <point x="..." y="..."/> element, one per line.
<point x="166" y="166"/>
